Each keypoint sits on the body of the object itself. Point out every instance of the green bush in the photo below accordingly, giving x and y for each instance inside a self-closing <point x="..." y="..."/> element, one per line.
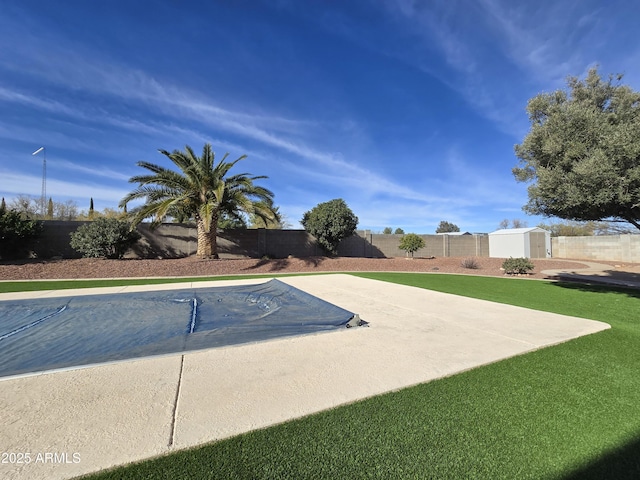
<point x="15" y="229"/>
<point x="517" y="266"/>
<point x="411" y="243"/>
<point x="104" y="238"/>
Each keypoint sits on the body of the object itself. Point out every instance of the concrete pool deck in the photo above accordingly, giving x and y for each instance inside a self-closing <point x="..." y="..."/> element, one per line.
<point x="82" y="420"/>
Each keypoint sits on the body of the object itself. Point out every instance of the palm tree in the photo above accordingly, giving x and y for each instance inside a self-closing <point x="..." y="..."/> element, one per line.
<point x="202" y="191"/>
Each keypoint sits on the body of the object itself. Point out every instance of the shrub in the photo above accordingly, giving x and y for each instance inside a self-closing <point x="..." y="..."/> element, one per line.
<point x="471" y="263"/>
<point x="517" y="266"/>
<point x="330" y="222"/>
<point x="104" y="238"/>
<point x="411" y="243"/>
<point x="15" y="229"/>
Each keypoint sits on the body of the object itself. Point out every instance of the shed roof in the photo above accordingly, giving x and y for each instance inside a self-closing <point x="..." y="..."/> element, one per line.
<point x="518" y="231"/>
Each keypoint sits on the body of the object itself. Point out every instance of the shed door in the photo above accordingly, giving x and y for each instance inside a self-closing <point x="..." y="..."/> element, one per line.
<point x="537" y="247"/>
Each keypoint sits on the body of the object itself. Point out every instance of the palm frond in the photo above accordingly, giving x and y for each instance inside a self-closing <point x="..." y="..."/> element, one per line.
<point x="151" y="166"/>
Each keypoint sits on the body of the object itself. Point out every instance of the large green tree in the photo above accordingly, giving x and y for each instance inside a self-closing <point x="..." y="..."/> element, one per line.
<point x="15" y="230"/>
<point x="330" y="222"/>
<point x="582" y="152"/>
<point x="201" y="190"/>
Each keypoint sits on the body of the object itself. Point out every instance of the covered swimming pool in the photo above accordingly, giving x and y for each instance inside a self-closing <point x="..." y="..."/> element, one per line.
<point x="44" y="334"/>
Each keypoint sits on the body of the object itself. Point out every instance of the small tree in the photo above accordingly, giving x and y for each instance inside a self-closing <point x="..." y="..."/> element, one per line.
<point x="447" y="227"/>
<point x="15" y="230"/>
<point x="104" y="238"/>
<point x="411" y="243"/>
<point x="399" y="231"/>
<point x="91" y="212"/>
<point x="387" y="230"/>
<point x="330" y="222"/>
<point x="50" y="209"/>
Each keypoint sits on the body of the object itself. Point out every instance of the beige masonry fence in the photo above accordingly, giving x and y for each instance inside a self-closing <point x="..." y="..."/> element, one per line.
<point x="171" y="240"/>
<point x="616" y="248"/>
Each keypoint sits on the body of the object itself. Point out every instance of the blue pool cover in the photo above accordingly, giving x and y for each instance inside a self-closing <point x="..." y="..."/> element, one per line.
<point x="45" y="334"/>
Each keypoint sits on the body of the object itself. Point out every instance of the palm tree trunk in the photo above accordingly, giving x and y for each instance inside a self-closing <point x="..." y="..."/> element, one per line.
<point x="207" y="241"/>
<point x="214" y="235"/>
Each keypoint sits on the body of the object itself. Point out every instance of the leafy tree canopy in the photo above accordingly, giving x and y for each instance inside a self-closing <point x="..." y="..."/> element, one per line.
<point x="583" y="152"/>
<point x="387" y="230"/>
<point x="15" y="229"/>
<point x="330" y="222"/>
<point x="411" y="243"/>
<point x="447" y="227"/>
<point x="399" y="231"/>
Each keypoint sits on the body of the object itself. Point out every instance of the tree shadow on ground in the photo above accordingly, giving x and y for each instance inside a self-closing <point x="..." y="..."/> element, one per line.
<point x="623" y="463"/>
<point x="276" y="264"/>
<point x="595" y="287"/>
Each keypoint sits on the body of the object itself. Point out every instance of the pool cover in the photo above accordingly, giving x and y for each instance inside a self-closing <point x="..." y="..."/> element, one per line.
<point x="45" y="334"/>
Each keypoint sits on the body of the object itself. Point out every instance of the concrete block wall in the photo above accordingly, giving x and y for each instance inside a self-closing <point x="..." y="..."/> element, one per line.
<point x="615" y="248"/>
<point x="282" y="243"/>
<point x="174" y="240"/>
<point x="179" y="240"/>
<point x="387" y="245"/>
<point x="55" y="239"/>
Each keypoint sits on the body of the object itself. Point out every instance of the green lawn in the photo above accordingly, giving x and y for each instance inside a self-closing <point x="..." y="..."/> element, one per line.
<point x="36" y="285"/>
<point x="569" y="411"/>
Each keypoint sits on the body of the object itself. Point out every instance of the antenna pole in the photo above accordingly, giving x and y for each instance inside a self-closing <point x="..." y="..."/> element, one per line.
<point x="43" y="195"/>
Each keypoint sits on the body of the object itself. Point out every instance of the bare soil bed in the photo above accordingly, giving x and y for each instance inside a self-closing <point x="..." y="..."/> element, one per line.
<point x="192" y="267"/>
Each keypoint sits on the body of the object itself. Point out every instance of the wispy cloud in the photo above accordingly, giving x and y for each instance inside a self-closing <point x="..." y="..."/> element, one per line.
<point x="8" y="95"/>
<point x="90" y="74"/>
<point x="93" y="171"/>
<point x="535" y="37"/>
<point x="16" y="184"/>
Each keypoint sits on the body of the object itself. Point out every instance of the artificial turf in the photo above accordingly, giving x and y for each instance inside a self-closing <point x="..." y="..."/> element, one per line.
<point x="568" y="411"/>
<point x="37" y="285"/>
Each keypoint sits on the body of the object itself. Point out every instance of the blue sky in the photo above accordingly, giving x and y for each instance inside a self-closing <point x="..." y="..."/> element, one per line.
<point x="408" y="110"/>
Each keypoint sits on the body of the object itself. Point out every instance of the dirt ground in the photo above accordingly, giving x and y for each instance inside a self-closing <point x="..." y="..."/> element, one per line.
<point x="192" y="266"/>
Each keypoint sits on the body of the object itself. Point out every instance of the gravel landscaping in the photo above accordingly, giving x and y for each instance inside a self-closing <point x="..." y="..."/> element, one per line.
<point x="192" y="266"/>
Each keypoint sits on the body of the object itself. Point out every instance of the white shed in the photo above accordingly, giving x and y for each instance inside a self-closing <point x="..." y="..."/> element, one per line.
<point x="520" y="242"/>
